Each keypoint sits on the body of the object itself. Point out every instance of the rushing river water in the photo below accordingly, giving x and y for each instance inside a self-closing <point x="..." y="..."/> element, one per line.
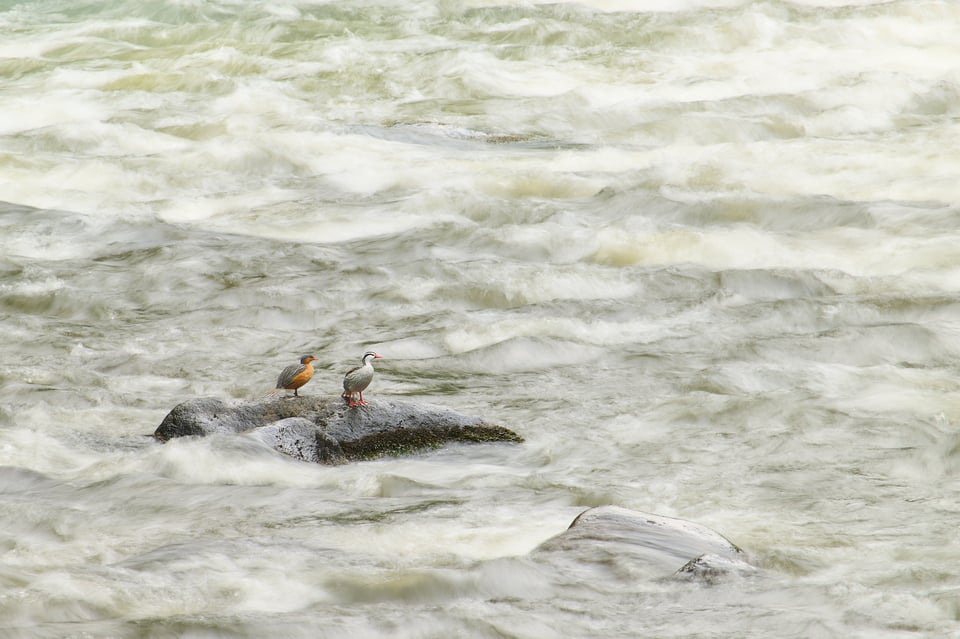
<point x="704" y="255"/>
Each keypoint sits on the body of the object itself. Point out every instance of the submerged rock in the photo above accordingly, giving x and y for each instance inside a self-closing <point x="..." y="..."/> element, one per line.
<point x="710" y="568"/>
<point x="635" y="544"/>
<point x="326" y="430"/>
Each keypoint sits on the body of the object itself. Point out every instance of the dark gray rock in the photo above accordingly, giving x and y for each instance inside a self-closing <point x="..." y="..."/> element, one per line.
<point x="637" y="545"/>
<point x="711" y="569"/>
<point x="326" y="430"/>
<point x="300" y="438"/>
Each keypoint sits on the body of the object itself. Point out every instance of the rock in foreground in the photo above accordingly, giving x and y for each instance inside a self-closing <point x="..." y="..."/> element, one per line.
<point x="642" y="545"/>
<point x="326" y="430"/>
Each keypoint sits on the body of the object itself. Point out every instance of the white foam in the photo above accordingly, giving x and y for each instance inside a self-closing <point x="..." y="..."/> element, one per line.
<point x="595" y="332"/>
<point x="633" y="6"/>
<point x="322" y="225"/>
<point x="410" y="348"/>
<point x="40" y="451"/>
<point x="852" y="251"/>
<point x="215" y="460"/>
<point x="33" y="287"/>
<point x="27" y="112"/>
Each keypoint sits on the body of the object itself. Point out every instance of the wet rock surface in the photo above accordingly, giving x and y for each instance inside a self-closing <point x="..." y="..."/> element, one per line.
<point x="326" y="430"/>
<point x="636" y="545"/>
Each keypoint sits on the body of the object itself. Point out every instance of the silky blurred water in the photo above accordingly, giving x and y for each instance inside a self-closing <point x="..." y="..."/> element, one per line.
<point x="703" y="255"/>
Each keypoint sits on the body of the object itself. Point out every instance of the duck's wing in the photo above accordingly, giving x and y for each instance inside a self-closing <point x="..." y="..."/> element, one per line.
<point x="287" y="374"/>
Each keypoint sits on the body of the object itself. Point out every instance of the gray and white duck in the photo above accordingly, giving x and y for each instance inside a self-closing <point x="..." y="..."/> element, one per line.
<point x="357" y="379"/>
